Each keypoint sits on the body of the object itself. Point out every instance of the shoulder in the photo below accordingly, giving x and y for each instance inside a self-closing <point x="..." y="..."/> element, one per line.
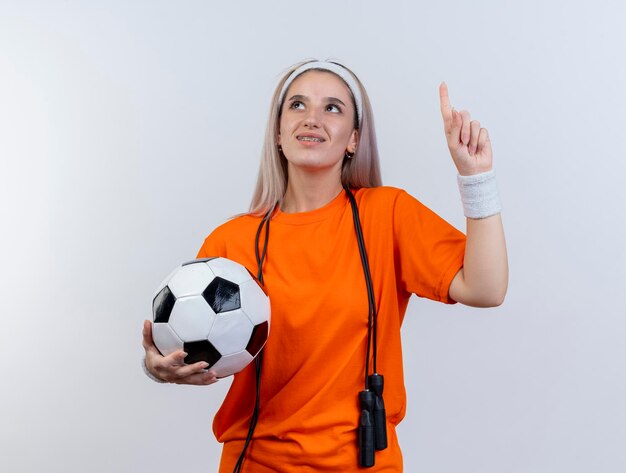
<point x="232" y="232"/>
<point x="385" y="198"/>
<point x="236" y="225"/>
<point x="380" y="192"/>
<point x="377" y="195"/>
<point x="398" y="205"/>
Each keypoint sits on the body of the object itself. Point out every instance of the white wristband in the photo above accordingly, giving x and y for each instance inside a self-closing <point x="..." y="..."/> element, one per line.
<point x="479" y="194"/>
<point x="150" y="375"/>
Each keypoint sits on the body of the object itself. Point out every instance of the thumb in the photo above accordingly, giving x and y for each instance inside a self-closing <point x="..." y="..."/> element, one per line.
<point x="148" y="342"/>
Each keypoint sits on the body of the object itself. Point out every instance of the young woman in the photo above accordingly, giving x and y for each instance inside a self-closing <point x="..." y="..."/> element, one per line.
<point x="338" y="300"/>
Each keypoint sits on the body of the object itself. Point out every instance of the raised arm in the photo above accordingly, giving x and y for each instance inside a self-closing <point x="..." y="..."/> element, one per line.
<point x="483" y="280"/>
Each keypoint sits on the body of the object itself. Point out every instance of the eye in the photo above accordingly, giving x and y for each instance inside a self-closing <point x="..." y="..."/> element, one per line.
<point x="297" y="105"/>
<point x="333" y="108"/>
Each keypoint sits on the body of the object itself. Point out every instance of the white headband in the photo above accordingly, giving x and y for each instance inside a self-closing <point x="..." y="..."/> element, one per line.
<point x="335" y="69"/>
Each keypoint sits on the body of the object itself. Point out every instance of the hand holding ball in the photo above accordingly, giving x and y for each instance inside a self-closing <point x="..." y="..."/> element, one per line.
<point x="215" y="311"/>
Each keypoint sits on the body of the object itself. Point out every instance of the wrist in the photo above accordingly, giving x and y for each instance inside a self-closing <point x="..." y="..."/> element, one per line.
<point x="479" y="194"/>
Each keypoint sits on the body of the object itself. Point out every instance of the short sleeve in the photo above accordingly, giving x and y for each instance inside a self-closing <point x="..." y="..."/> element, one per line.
<point x="428" y="251"/>
<point x="213" y="245"/>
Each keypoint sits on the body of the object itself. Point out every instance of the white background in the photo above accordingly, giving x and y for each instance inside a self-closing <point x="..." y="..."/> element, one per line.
<point x="130" y="129"/>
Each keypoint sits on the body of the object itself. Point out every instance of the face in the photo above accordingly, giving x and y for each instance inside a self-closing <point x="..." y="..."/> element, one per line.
<point x="317" y="122"/>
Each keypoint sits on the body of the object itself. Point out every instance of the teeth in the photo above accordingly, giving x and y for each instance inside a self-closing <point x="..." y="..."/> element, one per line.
<point x="310" y="138"/>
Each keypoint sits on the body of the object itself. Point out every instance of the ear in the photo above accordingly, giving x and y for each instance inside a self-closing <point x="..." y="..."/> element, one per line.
<point x="354" y="139"/>
<point x="278" y="140"/>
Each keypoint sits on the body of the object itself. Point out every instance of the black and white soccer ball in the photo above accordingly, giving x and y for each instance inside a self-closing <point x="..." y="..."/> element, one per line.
<point x="215" y="311"/>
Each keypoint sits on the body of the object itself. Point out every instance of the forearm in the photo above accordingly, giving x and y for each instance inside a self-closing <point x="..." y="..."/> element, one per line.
<point x="483" y="280"/>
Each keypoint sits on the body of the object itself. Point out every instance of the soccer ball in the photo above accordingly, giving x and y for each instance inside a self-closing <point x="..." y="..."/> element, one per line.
<point x="215" y="311"/>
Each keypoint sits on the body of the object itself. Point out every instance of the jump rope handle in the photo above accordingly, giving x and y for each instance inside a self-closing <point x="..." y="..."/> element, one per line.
<point x="377" y="385"/>
<point x="367" y="440"/>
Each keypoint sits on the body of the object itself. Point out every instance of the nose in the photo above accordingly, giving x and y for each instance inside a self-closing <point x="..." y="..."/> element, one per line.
<point x="312" y="119"/>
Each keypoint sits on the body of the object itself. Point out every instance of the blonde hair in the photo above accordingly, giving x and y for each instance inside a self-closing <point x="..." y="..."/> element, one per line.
<point x="362" y="170"/>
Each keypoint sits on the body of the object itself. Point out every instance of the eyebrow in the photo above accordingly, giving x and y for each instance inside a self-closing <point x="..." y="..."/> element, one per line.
<point x="304" y="98"/>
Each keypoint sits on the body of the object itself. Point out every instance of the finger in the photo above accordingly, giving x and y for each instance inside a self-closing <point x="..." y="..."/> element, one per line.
<point x="484" y="143"/>
<point x="454" y="136"/>
<point x="185" y="371"/>
<point x="176" y="358"/>
<point x="171" y="367"/>
<point x="465" y="129"/>
<point x="474" y="131"/>
<point x="444" y="104"/>
<point x="148" y="342"/>
<point x="196" y="370"/>
<point x="147" y="330"/>
<point x="167" y="365"/>
<point x="199" y="379"/>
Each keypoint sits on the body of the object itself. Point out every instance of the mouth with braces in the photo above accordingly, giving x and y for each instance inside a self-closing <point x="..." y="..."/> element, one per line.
<point x="312" y="139"/>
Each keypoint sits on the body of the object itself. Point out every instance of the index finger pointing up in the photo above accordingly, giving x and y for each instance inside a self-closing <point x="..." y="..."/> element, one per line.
<point x="446" y="109"/>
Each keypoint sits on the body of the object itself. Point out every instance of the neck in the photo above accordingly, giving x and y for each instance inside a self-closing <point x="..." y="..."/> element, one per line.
<point x="310" y="192"/>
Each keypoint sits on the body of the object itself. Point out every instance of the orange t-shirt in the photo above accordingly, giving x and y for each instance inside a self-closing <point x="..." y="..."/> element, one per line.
<point x="314" y="361"/>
